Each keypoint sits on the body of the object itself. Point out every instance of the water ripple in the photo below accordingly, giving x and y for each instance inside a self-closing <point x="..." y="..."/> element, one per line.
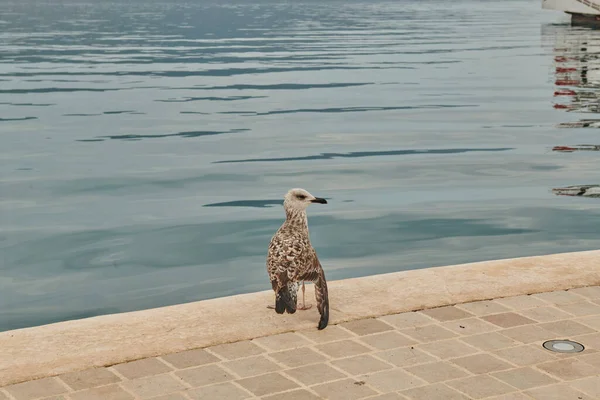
<point x="359" y="154"/>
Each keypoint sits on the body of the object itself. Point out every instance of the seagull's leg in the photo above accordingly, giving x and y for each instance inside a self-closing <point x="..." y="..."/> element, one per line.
<point x="304" y="306"/>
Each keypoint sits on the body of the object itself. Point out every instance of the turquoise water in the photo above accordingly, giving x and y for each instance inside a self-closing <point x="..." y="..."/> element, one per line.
<point x="145" y="146"/>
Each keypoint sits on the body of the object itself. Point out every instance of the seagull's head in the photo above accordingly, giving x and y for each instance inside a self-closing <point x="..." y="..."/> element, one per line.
<point x="299" y="199"/>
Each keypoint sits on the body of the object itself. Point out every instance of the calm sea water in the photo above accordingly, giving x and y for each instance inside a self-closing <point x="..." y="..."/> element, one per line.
<point x="145" y="146"/>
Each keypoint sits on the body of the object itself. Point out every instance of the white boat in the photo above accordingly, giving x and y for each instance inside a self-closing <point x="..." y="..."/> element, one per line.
<point x="582" y="11"/>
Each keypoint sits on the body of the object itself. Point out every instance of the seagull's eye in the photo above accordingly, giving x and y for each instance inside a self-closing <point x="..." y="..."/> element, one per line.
<point x="301" y="197"/>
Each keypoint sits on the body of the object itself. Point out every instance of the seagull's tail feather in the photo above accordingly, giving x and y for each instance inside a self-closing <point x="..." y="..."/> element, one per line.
<point x="287" y="299"/>
<point x="322" y="296"/>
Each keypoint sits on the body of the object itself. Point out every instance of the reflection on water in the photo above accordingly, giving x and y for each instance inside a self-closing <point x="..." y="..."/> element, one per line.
<point x="583" y="190"/>
<point x="145" y="146"/>
<point x="578" y="147"/>
<point x="577" y="73"/>
<point x="577" y="80"/>
<point x="360" y="154"/>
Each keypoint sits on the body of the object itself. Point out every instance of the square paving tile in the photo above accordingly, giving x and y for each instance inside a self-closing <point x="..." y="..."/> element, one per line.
<point x="283" y="341"/>
<point x="405" y="356"/>
<point x="296" y="358"/>
<point x="332" y="333"/>
<point x="110" y="392"/>
<point x="35" y="389"/>
<point x="359" y="365"/>
<point x="142" y="368"/>
<point x="591" y="342"/>
<point x="448" y="348"/>
<point x="172" y="396"/>
<point x="545" y="314"/>
<point x="479" y="387"/>
<point x="590" y="358"/>
<point x="225" y="391"/>
<point x="567" y="328"/>
<point x="251" y="366"/>
<point x="521" y="302"/>
<point x="231" y="351"/>
<point x="429" y="333"/>
<point x="437" y="372"/>
<point x="590" y="292"/>
<point x="408" y="320"/>
<point x="434" y="392"/>
<point x="489" y="341"/>
<point x="525" y="355"/>
<point x="89" y="378"/>
<point x="205" y="375"/>
<point x="524" y="378"/>
<point x="348" y="389"/>
<point x="387" y="340"/>
<point x="267" y="384"/>
<point x="300" y="394"/>
<point x="343" y="348"/>
<point x="589" y="386"/>
<point x="190" y="358"/>
<point x="559" y="297"/>
<point x="153" y="386"/>
<point x="528" y="334"/>
<point x="557" y="392"/>
<point x="470" y="326"/>
<point x="393" y="380"/>
<point x="485" y="307"/>
<point x="481" y="363"/>
<point x="581" y="309"/>
<point x="508" y="320"/>
<point x="569" y="369"/>
<point x="592" y="321"/>
<point x="388" y="396"/>
<point x="367" y="326"/>
<point x="511" y="396"/>
<point x="316" y="373"/>
<point x="448" y="313"/>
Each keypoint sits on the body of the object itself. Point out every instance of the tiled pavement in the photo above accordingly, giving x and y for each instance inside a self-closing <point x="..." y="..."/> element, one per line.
<point x="481" y="350"/>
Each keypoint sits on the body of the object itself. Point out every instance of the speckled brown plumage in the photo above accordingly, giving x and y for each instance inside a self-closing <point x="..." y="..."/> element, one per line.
<point x="292" y="259"/>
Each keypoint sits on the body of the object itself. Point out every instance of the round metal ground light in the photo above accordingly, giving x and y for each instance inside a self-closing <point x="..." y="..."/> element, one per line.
<point x="563" y="346"/>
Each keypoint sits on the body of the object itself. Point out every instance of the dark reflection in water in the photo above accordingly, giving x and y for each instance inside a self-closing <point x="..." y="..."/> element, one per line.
<point x="179" y="74"/>
<point x="347" y="109"/>
<point x="436" y="125"/>
<point x="17" y="119"/>
<point x="119" y="112"/>
<point x="29" y="104"/>
<point x="191" y="134"/>
<point x="359" y="154"/>
<point x="247" y="203"/>
<point x="231" y="98"/>
<point x="52" y="90"/>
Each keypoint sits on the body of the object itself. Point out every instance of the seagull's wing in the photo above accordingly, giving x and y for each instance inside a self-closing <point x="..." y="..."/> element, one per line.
<point x="315" y="273"/>
<point x="285" y="254"/>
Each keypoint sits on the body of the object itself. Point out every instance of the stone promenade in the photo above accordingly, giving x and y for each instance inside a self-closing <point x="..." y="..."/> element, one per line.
<point x="479" y="350"/>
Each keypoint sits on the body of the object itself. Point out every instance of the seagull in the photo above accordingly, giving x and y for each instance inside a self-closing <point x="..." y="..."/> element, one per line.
<point x="292" y="259"/>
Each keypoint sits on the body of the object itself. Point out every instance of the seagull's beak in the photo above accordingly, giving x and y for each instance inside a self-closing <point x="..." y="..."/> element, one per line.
<point x="319" y="200"/>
